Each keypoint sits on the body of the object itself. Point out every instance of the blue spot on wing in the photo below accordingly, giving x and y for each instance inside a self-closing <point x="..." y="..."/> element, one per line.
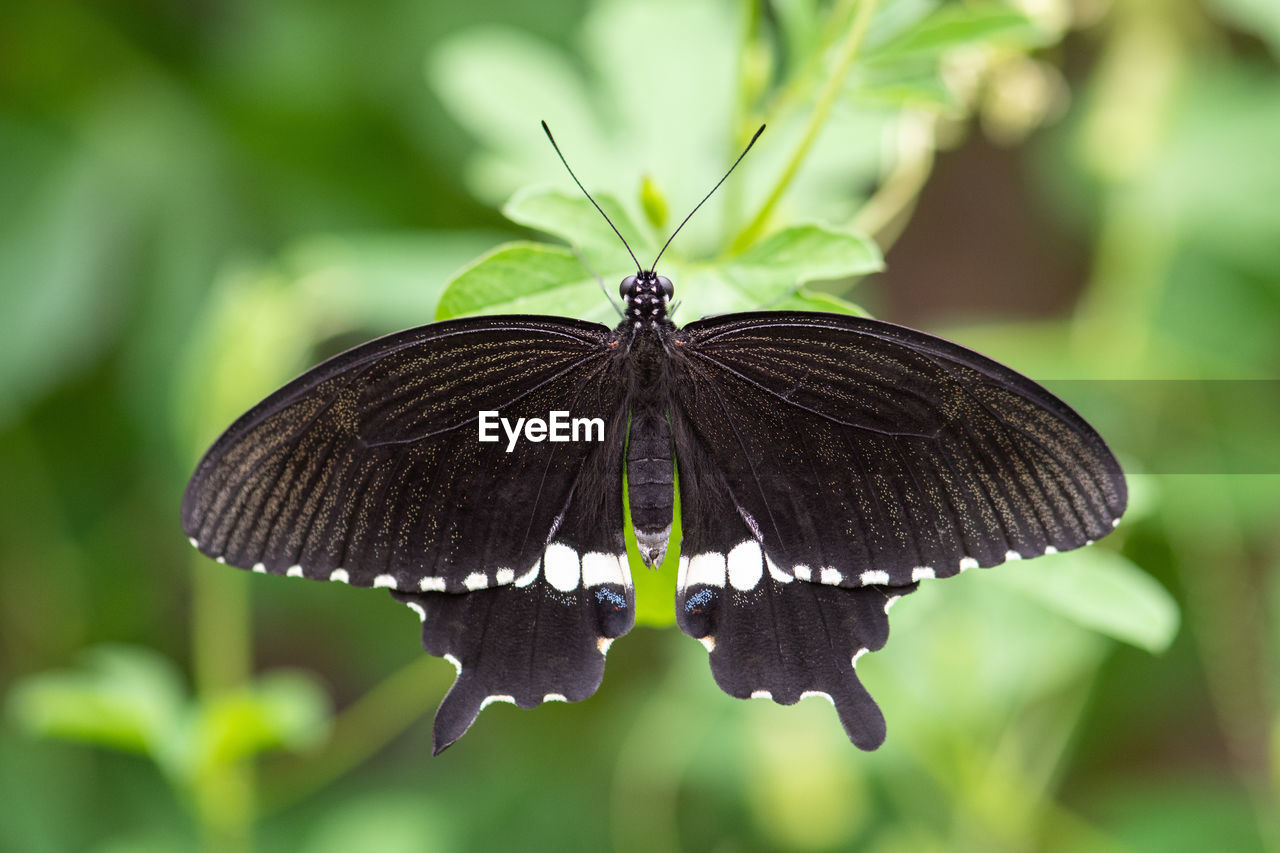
<point x="605" y="594"/>
<point x="698" y="600"/>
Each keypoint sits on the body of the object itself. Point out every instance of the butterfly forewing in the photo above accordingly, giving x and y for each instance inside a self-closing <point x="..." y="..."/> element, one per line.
<point x="370" y="464"/>
<point x="869" y="454"/>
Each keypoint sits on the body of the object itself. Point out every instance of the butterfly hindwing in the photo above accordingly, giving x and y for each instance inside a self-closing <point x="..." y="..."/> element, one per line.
<point x="541" y="638"/>
<point x="867" y="454"/>
<point x="769" y="635"/>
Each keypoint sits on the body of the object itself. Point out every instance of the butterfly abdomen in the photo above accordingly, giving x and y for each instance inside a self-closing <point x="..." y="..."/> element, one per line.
<point x="650" y="482"/>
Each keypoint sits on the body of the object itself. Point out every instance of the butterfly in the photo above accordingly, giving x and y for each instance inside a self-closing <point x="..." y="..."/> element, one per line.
<point x="827" y="464"/>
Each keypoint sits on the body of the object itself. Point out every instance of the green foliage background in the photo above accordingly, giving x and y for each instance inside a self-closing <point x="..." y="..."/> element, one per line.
<point x="202" y="199"/>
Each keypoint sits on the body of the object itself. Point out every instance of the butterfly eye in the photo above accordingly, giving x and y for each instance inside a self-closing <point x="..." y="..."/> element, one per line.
<point x="627" y="287"/>
<point x="668" y="289"/>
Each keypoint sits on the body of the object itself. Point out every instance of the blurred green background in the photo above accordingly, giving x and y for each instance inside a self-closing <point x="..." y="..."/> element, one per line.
<point x="201" y="198"/>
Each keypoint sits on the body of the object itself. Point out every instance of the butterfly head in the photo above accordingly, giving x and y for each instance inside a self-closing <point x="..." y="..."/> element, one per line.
<point x="646" y="294"/>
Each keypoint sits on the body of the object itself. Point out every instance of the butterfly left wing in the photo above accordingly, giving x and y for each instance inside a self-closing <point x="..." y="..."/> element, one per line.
<point x="368" y="469"/>
<point x="829" y="463"/>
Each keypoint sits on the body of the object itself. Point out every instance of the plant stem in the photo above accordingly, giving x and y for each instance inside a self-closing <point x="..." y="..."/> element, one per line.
<point x="797" y="82"/>
<point x="361" y="730"/>
<point x="881" y="217"/>
<point x="822" y="108"/>
<point x="220" y="636"/>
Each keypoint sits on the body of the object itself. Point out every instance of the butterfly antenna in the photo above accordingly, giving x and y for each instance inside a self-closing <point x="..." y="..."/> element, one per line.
<point x="704" y="198"/>
<point x="603" y="289"/>
<point x="547" y="131"/>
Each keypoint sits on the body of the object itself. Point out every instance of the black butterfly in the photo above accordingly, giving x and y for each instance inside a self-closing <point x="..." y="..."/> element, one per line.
<point x="827" y="464"/>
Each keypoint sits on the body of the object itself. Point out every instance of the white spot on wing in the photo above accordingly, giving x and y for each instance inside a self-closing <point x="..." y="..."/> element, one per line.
<point x="220" y="559"/>
<point x="529" y="576"/>
<point x="504" y="576"/>
<point x="457" y="664"/>
<point x="384" y="582"/>
<point x="874" y="577"/>
<point x="830" y="576"/>
<point x="827" y="696"/>
<point x="431" y="585"/>
<point x="761" y="694"/>
<point x="890" y="601"/>
<point x="340" y="575"/>
<point x="708" y="568"/>
<point x="259" y="568"/>
<point x="554" y="697"/>
<point x="802" y="572"/>
<point x="1012" y="555"/>
<point x="967" y="563"/>
<point x="560" y="562"/>
<point x="1115" y="522"/>
<point x="682" y="573"/>
<point x="859" y="653"/>
<point x="489" y="700"/>
<point x="476" y="580"/>
<point x="417" y="608"/>
<point x="921" y="573"/>
<point x="708" y="643"/>
<point x="776" y="573"/>
<point x="293" y="572"/>
<point x="1049" y="549"/>
<point x="194" y="543"/>
<point x="745" y="565"/>
<point x="603" y="644"/>
<point x="598" y="568"/>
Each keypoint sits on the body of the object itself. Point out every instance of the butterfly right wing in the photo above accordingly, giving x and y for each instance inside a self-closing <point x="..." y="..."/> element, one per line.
<point x="829" y="463"/>
<point x="368" y="469"/>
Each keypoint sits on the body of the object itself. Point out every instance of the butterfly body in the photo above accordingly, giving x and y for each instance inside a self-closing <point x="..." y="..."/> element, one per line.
<point x="650" y="345"/>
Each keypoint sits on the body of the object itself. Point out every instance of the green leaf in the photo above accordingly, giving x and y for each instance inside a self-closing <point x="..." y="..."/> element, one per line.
<point x="902" y="85"/>
<point x="524" y="278"/>
<point x="783" y="261"/>
<point x="976" y="645"/>
<point x="388" y="820"/>
<point x="655" y="589"/>
<point x="63" y="239"/>
<point x="575" y="220"/>
<point x="497" y="83"/>
<point x="123" y="697"/>
<point x="379" y="281"/>
<point x="281" y="710"/>
<point x="653" y="202"/>
<point x="256" y="332"/>
<point x="1101" y="590"/>
<point x="1261" y="17"/>
<point x="955" y="25"/>
<point x="806" y="299"/>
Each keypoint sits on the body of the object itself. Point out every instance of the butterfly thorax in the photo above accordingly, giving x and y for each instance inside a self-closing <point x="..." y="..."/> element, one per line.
<point x="646" y="330"/>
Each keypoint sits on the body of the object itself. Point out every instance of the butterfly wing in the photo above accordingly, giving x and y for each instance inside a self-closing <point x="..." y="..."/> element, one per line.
<point x="369" y="469"/>
<point x="835" y="461"/>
